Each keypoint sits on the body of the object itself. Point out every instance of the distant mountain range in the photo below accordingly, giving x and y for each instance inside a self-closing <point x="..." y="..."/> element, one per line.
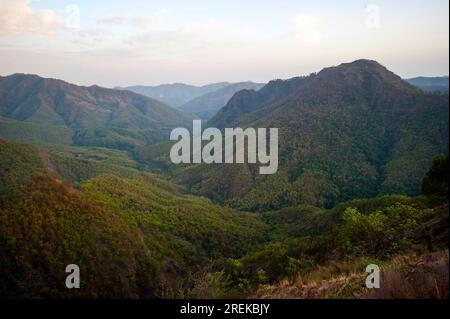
<point x="207" y="105"/>
<point x="202" y="101"/>
<point x="84" y="192"/>
<point x="175" y="94"/>
<point x="430" y="84"/>
<point x="94" y="114"/>
<point x="352" y="131"/>
<point x="205" y="101"/>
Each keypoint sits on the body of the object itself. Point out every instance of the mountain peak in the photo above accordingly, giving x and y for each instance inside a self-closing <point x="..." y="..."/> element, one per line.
<point x="360" y="66"/>
<point x="362" y="80"/>
<point x="364" y="73"/>
<point x="365" y="62"/>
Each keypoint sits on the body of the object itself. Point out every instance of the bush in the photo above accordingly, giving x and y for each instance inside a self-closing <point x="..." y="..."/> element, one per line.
<point x="382" y="232"/>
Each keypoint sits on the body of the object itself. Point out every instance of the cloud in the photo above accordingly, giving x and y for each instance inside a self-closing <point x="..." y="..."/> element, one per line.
<point x="195" y="40"/>
<point x="116" y="20"/>
<point x="306" y="29"/>
<point x="153" y="22"/>
<point x="92" y="37"/>
<point x="17" y="18"/>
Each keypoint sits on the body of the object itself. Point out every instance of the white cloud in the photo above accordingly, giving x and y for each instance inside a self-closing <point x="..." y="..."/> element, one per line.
<point x="156" y="21"/>
<point x="306" y="29"/>
<point x="17" y="18"/>
<point x="116" y="20"/>
<point x="197" y="40"/>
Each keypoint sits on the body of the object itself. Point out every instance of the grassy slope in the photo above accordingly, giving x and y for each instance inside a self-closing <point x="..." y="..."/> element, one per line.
<point x="35" y="133"/>
<point x="18" y="162"/>
<point x="111" y="137"/>
<point x="418" y="276"/>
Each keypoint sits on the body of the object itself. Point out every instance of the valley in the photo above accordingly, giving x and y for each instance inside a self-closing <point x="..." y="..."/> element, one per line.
<point x="86" y="178"/>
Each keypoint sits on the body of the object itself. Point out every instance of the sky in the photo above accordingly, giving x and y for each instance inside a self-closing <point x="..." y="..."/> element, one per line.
<point x="137" y="42"/>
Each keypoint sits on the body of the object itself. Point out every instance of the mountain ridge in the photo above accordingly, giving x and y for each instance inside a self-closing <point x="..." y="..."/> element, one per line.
<point x="430" y="84"/>
<point x="356" y="130"/>
<point x="205" y="106"/>
<point x="57" y="96"/>
<point x="265" y="99"/>
<point x="97" y="116"/>
<point x="175" y="94"/>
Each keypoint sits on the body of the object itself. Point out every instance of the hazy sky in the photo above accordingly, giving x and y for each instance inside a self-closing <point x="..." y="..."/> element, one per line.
<point x="151" y="42"/>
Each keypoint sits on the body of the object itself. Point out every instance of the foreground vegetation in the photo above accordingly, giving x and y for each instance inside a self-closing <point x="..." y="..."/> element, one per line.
<point x="139" y="235"/>
<point x="132" y="238"/>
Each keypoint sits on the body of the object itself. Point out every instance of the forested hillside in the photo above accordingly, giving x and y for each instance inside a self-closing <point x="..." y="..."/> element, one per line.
<point x="352" y="131"/>
<point x="323" y="253"/>
<point x="85" y="178"/>
<point x="142" y="236"/>
<point x="95" y="115"/>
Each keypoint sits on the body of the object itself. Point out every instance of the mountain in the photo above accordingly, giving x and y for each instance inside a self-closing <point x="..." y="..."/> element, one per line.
<point x="356" y="130"/>
<point x="207" y="105"/>
<point x="175" y="94"/>
<point x="55" y="102"/>
<point x="139" y="236"/>
<point x="247" y="101"/>
<point x="89" y="112"/>
<point x="351" y="131"/>
<point x="430" y="84"/>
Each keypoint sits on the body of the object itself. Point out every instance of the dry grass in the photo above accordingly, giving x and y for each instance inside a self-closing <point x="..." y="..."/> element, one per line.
<point x="410" y="277"/>
<point x="405" y="277"/>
